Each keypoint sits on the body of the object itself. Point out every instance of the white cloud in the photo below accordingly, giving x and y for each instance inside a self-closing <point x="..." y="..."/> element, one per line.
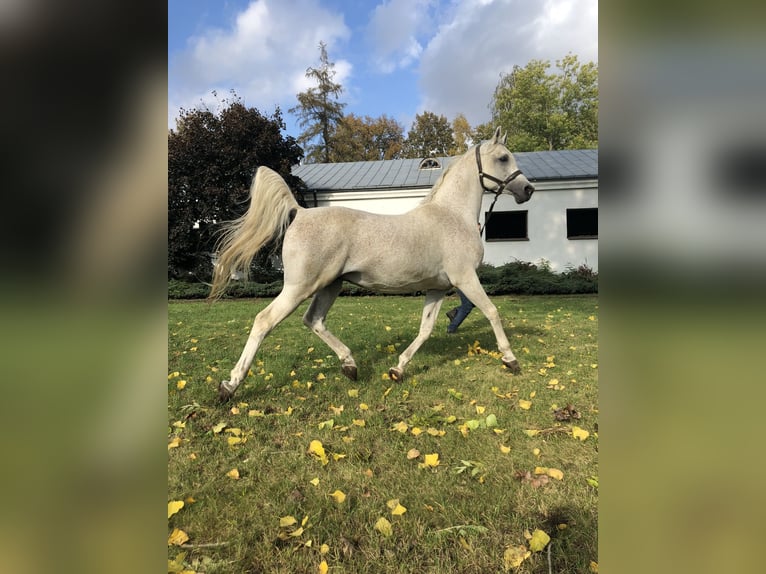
<point x="461" y="65"/>
<point x="263" y="55"/>
<point x="392" y="34"/>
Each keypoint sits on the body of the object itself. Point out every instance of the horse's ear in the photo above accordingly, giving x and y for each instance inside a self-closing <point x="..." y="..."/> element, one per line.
<point x="503" y="138"/>
<point x="496" y="136"/>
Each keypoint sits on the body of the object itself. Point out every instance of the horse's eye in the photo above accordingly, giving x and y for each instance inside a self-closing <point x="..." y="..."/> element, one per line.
<point x="503" y="158"/>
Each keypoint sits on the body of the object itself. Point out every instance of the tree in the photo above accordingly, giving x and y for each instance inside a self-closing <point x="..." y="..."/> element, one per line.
<point x="318" y="110"/>
<point x="430" y="135"/>
<point x="462" y="135"/>
<point x="544" y="111"/>
<point x="212" y="158"/>
<point x="367" y="139"/>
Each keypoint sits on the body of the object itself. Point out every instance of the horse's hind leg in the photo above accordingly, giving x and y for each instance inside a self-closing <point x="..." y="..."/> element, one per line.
<point x="431" y="308"/>
<point x="284" y="304"/>
<point x="314" y="320"/>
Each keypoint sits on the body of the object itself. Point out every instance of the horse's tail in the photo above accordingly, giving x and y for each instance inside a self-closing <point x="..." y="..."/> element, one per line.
<point x="272" y="208"/>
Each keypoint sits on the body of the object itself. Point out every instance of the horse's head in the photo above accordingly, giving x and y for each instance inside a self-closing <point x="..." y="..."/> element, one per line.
<point x="498" y="165"/>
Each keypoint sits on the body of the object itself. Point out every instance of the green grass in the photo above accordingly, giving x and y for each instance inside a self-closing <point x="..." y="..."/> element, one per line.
<point x="456" y="521"/>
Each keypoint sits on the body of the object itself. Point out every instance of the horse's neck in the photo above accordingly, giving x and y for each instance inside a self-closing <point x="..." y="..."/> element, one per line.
<point x="461" y="192"/>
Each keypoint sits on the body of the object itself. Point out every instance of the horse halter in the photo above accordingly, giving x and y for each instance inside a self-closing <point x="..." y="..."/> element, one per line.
<point x="501" y="185"/>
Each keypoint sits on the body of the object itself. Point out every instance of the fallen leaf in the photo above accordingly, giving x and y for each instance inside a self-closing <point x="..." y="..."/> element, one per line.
<point x="579" y="433"/>
<point x="323" y="567"/>
<point x="401" y="426"/>
<point x="552" y="472"/>
<point x="396" y="508"/>
<point x="514" y="556"/>
<point x="180" y="384"/>
<point x="324" y="549"/>
<point x="177" y="537"/>
<point x="593" y="567"/>
<point x="538" y="541"/>
<point x="413" y="453"/>
<point x="174" y="506"/>
<point x="353" y="393"/>
<point x="505" y="449"/>
<point x="531" y="432"/>
<point x="338" y="496"/>
<point x="219" y="427"/>
<point x="431" y="461"/>
<point x="317" y="450"/>
<point x="287" y="521"/>
<point x="174" y="443"/>
<point x="314" y="481"/>
<point x="232" y="440"/>
<point x="233" y="473"/>
<point x="526" y="405"/>
<point x="384" y="527"/>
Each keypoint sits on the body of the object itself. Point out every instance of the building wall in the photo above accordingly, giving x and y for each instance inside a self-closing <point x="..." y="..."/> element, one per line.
<point x="546" y="220"/>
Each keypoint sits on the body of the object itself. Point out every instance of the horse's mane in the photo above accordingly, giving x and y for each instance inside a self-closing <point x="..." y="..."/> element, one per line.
<point x="437" y="185"/>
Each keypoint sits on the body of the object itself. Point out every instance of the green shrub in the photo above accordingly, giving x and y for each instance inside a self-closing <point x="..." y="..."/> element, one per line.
<point x="517" y="278"/>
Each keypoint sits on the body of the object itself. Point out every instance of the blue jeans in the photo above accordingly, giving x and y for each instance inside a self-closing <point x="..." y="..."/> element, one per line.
<point x="462" y="312"/>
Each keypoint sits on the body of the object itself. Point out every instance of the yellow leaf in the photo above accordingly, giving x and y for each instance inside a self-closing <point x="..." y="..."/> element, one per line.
<point x="431" y="461"/>
<point x="175" y="443"/>
<point x="383" y="526"/>
<point x="234" y="410"/>
<point x="579" y="433"/>
<point x="338" y="496"/>
<point x="338" y="456"/>
<point x="323" y="567"/>
<point x="416" y="431"/>
<point x="314" y="481"/>
<point x="397" y="509"/>
<point x="514" y="556"/>
<point x="555" y="473"/>
<point x="180" y="384"/>
<point x="297" y="532"/>
<point x="401" y="426"/>
<point x="353" y="392"/>
<point x="173" y="374"/>
<point x="316" y="449"/>
<point x="233" y="473"/>
<point x="363" y="406"/>
<point x="232" y="440"/>
<point x="593" y="567"/>
<point x="179" y="425"/>
<point x="505" y="449"/>
<point x="287" y="521"/>
<point x="435" y="432"/>
<point x="324" y="549"/>
<point x="177" y="537"/>
<point x="174" y="506"/>
<point x="358" y="422"/>
<point x="525" y="404"/>
<point x="536" y="452"/>
<point x="413" y="453"/>
<point x="538" y="541"/>
<point x="531" y="432"/>
<point x="219" y="427"/>
<point x="321" y="377"/>
<point x="480" y="410"/>
<point x="456" y="362"/>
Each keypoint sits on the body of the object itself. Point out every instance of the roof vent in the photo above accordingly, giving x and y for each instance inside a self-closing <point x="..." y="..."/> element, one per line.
<point x="430" y="163"/>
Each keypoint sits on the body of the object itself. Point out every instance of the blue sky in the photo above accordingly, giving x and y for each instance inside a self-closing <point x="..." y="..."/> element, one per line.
<point x="393" y="57"/>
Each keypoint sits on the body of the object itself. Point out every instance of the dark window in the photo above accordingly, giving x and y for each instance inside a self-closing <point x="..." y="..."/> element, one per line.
<point x="506" y="226"/>
<point x="582" y="223"/>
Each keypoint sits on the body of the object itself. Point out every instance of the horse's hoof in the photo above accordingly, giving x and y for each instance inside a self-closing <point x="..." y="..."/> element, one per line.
<point x="395" y="374"/>
<point x="349" y="371"/>
<point x="513" y="366"/>
<point x="224" y="394"/>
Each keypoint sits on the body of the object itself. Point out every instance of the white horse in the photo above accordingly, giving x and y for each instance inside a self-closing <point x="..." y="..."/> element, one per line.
<point x="431" y="248"/>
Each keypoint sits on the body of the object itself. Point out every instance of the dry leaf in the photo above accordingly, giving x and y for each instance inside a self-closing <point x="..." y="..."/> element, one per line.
<point x="413" y="453"/>
<point x="514" y="556"/>
<point x="505" y="449"/>
<point x="338" y="496"/>
<point x="314" y="481"/>
<point x="287" y="521"/>
<point x="317" y="450"/>
<point x="538" y="541"/>
<point x="396" y="508"/>
<point x="431" y="461"/>
<point x="180" y="384"/>
<point x="526" y="405"/>
<point x="384" y="527"/>
<point x="174" y="443"/>
<point x="579" y="433"/>
<point x="177" y="537"/>
<point x="174" y="506"/>
<point x="233" y="473"/>
<point x="323" y="567"/>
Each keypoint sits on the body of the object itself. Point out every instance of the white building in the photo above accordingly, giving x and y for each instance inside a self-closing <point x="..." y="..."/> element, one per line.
<point x="559" y="224"/>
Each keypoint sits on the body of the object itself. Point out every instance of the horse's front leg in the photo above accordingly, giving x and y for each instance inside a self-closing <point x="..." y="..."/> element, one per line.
<point x="431" y="308"/>
<point x="475" y="292"/>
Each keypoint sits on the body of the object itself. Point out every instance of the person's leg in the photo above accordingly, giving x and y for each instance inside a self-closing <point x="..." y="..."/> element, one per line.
<point x="462" y="312"/>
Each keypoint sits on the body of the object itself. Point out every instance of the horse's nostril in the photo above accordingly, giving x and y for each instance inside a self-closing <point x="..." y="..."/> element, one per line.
<point x="529" y="189"/>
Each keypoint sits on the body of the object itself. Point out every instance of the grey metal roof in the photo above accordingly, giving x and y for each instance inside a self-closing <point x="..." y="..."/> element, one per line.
<point x="405" y="173"/>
